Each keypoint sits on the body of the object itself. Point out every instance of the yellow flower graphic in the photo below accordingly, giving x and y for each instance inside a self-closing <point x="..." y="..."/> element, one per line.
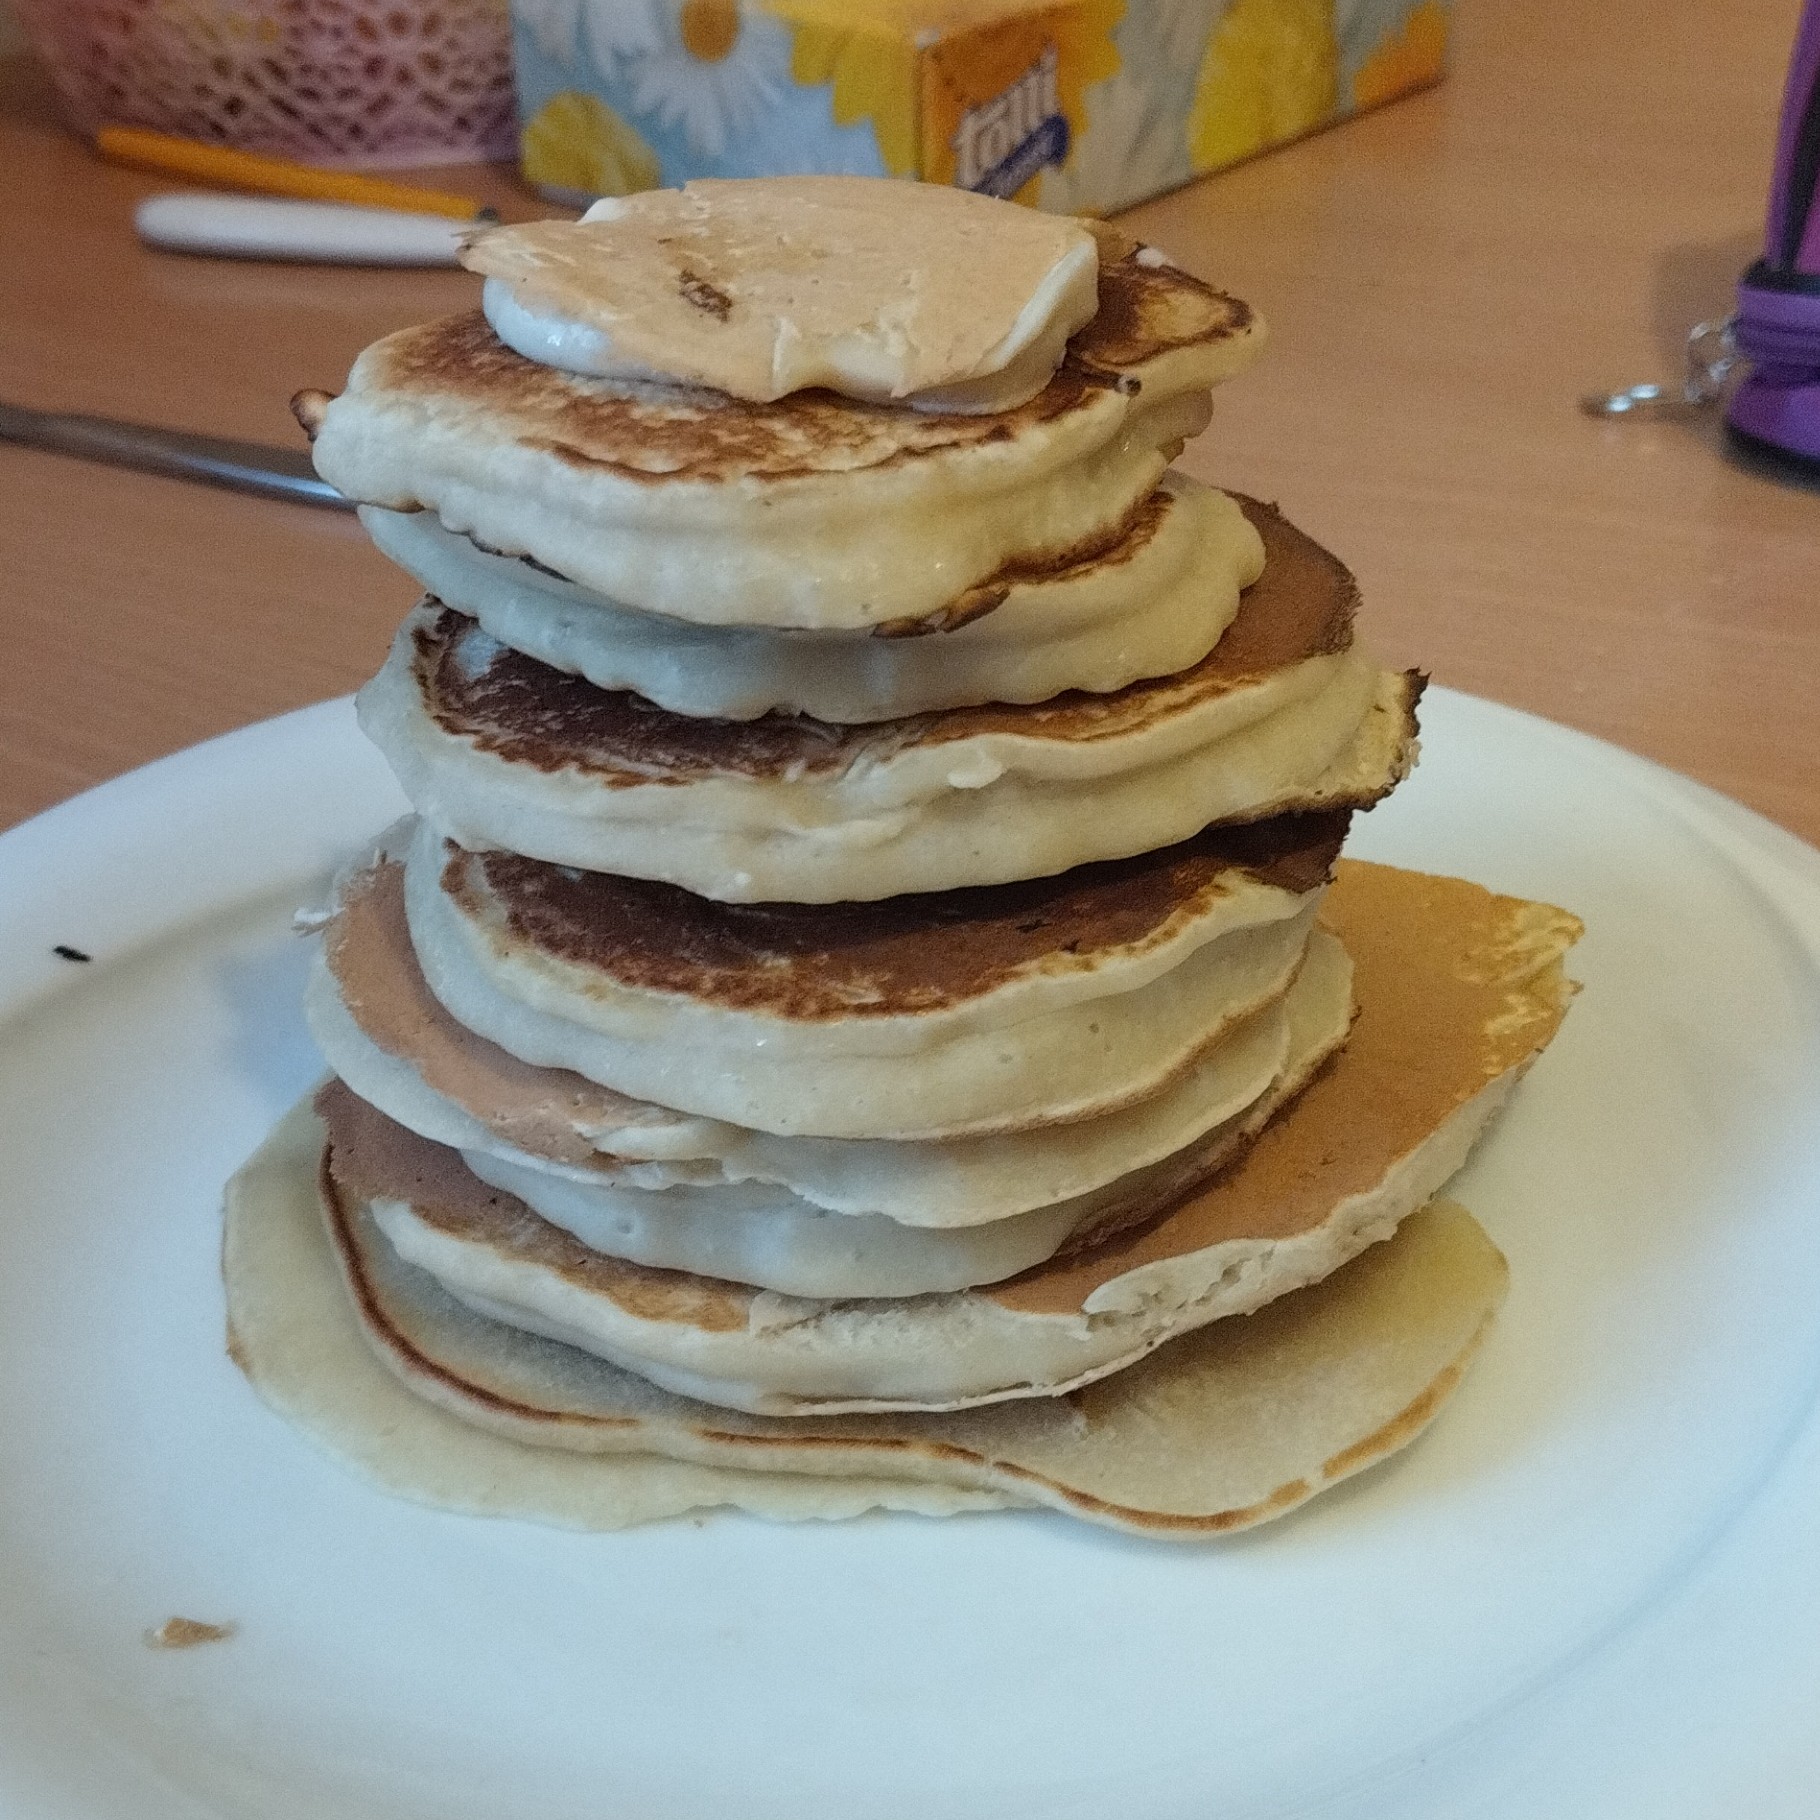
<point x="1087" y="36"/>
<point x="576" y="142"/>
<point x="1271" y="72"/>
<point x="872" y="68"/>
<point x="1407" y="59"/>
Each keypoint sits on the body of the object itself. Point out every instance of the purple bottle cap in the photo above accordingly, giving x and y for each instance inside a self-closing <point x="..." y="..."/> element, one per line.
<point x="1778" y="324"/>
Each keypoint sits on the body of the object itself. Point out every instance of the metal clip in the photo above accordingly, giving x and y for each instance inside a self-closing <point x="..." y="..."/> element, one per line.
<point x="1712" y="353"/>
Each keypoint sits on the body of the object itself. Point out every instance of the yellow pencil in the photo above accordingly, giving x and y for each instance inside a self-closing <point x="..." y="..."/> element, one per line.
<point x="216" y="164"/>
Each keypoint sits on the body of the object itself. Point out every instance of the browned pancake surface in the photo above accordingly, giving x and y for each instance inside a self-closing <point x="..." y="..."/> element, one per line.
<point x="1100" y="553"/>
<point x="891" y="956"/>
<point x="1147" y="306"/>
<point x="368" y="950"/>
<point x="663" y="433"/>
<point x="526" y="713"/>
<point x="1454" y="986"/>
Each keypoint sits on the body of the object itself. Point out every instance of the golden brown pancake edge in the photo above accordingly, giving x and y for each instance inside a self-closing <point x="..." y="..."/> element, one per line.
<point x="525" y="713"/>
<point x="886" y="957"/>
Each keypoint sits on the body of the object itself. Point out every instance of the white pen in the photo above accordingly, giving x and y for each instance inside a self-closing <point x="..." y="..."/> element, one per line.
<point x="257" y="227"/>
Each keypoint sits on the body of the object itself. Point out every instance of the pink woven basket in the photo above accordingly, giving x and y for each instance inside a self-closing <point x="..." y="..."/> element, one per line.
<point x="369" y="82"/>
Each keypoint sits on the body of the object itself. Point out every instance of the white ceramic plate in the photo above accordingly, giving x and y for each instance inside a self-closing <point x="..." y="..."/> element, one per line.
<point x="1592" y="1589"/>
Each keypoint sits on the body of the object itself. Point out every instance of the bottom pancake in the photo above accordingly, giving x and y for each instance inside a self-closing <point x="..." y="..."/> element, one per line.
<point x="1218" y="1431"/>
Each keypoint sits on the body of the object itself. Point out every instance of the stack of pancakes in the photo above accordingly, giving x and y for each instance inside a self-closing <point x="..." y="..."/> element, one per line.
<point x="869" y="949"/>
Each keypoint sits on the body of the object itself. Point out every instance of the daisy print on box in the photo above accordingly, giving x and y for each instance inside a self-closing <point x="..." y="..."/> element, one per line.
<point x="626" y="94"/>
<point x="1078" y="106"/>
<point x="1132" y="144"/>
<point x="590" y="34"/>
<point x="707" y="69"/>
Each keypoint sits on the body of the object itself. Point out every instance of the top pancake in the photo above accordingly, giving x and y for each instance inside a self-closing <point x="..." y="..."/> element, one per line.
<point x="810" y="511"/>
<point x="654" y="434"/>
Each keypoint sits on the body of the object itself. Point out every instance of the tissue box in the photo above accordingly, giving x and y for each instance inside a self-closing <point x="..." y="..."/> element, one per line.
<point x="1080" y="106"/>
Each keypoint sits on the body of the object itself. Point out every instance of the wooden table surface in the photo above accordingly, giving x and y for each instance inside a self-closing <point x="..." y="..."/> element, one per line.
<point x="1442" y="279"/>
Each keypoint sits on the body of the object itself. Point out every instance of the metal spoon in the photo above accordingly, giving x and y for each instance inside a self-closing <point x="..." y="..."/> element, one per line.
<point x="246" y="467"/>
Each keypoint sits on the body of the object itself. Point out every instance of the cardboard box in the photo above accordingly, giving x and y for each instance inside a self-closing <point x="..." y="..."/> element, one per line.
<point x="1082" y="106"/>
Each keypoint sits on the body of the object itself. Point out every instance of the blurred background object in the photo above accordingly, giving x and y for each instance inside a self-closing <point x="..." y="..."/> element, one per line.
<point x="329" y="233"/>
<point x="368" y="82"/>
<point x="1081" y="106"/>
<point x="1441" y="277"/>
<point x="226" y="167"/>
<point x="1771" y="342"/>
<point x="1778" y="324"/>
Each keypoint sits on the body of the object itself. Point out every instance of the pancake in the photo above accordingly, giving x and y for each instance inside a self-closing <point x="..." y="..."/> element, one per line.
<point x="1458" y="991"/>
<point x="814" y="511"/>
<point x="385" y="1034"/>
<point x="297" y="1334"/>
<point x="924" y="294"/>
<point x="1282" y="716"/>
<point x="367" y="993"/>
<point x="927" y="1016"/>
<point x="771" y="1238"/>
<point x="855" y="963"/>
<point x="1226" y="1428"/>
<point x="1153" y="603"/>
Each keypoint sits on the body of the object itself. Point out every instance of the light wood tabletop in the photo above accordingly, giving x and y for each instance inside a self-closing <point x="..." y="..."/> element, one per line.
<point x="1442" y="279"/>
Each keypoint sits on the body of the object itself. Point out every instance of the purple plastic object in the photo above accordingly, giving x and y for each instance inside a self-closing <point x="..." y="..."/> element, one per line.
<point x="1778" y="326"/>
